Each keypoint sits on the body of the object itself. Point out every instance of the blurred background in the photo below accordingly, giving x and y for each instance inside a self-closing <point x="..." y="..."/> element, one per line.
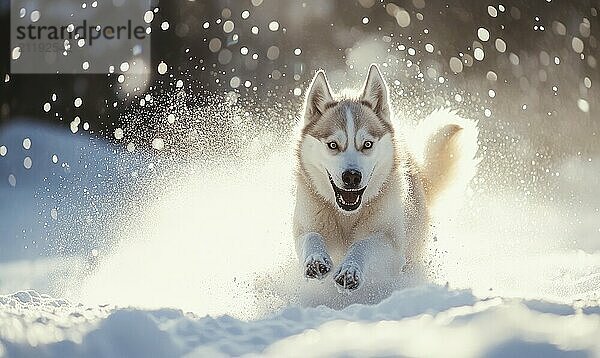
<point x="229" y="76"/>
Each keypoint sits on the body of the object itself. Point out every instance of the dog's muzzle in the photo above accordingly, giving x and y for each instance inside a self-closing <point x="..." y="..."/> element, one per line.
<point x="347" y="199"/>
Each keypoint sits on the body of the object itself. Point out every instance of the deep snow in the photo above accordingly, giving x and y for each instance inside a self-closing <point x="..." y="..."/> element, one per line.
<point x="173" y="251"/>
<point x="425" y="321"/>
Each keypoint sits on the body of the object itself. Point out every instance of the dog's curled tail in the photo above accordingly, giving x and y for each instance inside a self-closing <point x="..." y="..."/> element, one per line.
<point x="446" y="148"/>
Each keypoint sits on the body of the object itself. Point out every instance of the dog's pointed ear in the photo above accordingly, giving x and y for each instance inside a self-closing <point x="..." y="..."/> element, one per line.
<point x="375" y="93"/>
<point x="319" y="95"/>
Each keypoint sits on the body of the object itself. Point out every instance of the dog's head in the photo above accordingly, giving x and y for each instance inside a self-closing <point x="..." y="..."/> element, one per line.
<point x="347" y="146"/>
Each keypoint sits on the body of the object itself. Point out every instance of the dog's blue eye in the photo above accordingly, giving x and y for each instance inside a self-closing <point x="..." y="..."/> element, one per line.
<point x="332" y="145"/>
<point x="368" y="144"/>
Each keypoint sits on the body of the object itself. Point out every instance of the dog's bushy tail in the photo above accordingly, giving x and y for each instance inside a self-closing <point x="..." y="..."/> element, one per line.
<point x="446" y="145"/>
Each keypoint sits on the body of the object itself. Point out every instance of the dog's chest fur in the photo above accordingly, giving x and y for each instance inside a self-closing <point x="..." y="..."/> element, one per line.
<point x="390" y="213"/>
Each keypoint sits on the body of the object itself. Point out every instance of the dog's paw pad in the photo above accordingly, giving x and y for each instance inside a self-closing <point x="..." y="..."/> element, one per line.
<point x="348" y="277"/>
<point x="317" y="266"/>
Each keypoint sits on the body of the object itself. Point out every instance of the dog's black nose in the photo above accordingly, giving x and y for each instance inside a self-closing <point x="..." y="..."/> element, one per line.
<point x="351" y="178"/>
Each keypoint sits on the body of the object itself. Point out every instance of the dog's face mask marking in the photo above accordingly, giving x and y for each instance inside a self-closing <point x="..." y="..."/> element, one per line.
<point x="347" y="148"/>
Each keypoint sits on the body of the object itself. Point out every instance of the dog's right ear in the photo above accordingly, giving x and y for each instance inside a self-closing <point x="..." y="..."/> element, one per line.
<point x="319" y="95"/>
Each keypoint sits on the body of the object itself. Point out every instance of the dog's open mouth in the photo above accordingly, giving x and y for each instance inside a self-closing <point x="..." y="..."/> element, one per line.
<point x="347" y="199"/>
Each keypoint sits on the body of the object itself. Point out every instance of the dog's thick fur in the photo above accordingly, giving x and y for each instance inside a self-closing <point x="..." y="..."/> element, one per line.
<point x="363" y="197"/>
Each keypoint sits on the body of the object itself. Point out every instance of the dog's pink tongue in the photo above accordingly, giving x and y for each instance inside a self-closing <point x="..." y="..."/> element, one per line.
<point x="349" y="196"/>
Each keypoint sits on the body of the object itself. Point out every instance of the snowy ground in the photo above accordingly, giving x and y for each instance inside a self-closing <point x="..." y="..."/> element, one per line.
<point x="425" y="321"/>
<point x="142" y="265"/>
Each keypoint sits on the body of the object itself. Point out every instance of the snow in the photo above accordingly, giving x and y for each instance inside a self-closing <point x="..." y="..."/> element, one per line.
<point x="164" y="286"/>
<point x="423" y="321"/>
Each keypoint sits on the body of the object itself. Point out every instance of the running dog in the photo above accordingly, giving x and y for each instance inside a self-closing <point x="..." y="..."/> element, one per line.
<point x="364" y="196"/>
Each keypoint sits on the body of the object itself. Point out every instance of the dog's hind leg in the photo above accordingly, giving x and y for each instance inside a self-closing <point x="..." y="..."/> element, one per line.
<point x="316" y="262"/>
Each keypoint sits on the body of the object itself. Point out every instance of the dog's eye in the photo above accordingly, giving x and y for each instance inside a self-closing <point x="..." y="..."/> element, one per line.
<point x="368" y="144"/>
<point x="332" y="145"/>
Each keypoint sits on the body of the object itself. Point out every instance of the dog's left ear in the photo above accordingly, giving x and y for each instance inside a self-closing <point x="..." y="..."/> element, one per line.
<point x="375" y="93"/>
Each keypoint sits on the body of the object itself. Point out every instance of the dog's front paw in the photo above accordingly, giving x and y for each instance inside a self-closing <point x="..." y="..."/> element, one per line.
<point x="348" y="276"/>
<point x="317" y="266"/>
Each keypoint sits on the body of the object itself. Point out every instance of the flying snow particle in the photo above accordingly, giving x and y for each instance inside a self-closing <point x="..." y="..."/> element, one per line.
<point x="225" y="56"/>
<point x="483" y="34"/>
<point x="85" y="65"/>
<point x="214" y="45"/>
<point x="254" y="30"/>
<point x="273" y="53"/>
<point x="429" y="48"/>
<point x="3" y="150"/>
<point x="456" y="65"/>
<point x="121" y="79"/>
<point x="130" y="147"/>
<point x="124" y="66"/>
<point x="583" y="105"/>
<point x="118" y="133"/>
<point x="492" y="11"/>
<point x="35" y="16"/>
<point x="587" y="82"/>
<point x="27" y="163"/>
<point x="234" y="82"/>
<point x="556" y="60"/>
<point x="297" y="91"/>
<point x="457" y="97"/>
<point x="297" y="52"/>
<point x="27" y="143"/>
<point x="16" y="53"/>
<point x="158" y="143"/>
<point x="12" y="180"/>
<point x="244" y="50"/>
<point x="148" y="16"/>
<point x="491" y="93"/>
<point x="559" y="28"/>
<point x="411" y="51"/>
<point x="402" y="18"/>
<point x="54" y="158"/>
<point x="478" y="54"/>
<point x="245" y="14"/>
<point x="365" y="20"/>
<point x="54" y="214"/>
<point x="487" y="112"/>
<point x="77" y="102"/>
<point x="228" y="26"/>
<point x="273" y="26"/>
<point x="577" y="44"/>
<point x="491" y="76"/>
<point x="47" y="107"/>
<point x="162" y="68"/>
<point x="165" y="25"/>
<point x="179" y="84"/>
<point x="500" y="45"/>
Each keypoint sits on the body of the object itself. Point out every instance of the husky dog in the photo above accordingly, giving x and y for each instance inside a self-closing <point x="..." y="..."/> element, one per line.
<point x="364" y="196"/>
